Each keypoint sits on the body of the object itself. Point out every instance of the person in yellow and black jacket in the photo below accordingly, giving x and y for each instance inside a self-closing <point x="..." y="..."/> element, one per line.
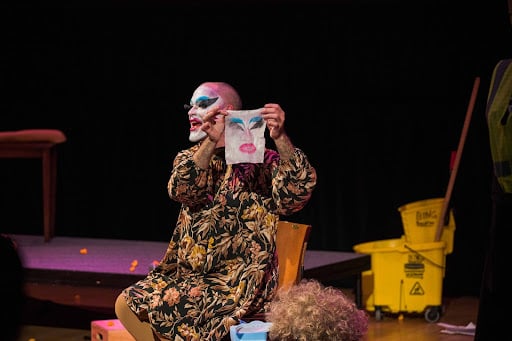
<point x="495" y="289"/>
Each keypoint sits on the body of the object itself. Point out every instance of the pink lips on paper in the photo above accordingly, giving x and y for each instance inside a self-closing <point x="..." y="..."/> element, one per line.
<point x="248" y="148"/>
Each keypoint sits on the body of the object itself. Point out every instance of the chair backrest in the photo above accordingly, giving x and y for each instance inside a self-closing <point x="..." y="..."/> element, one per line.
<point x="291" y="243"/>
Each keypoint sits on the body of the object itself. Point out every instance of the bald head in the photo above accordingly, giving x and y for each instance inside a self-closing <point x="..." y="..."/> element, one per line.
<point x="227" y="92"/>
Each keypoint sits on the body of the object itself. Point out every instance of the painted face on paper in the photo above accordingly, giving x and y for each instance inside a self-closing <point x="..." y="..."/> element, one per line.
<point x="245" y="140"/>
<point x="243" y="132"/>
<point x="202" y="100"/>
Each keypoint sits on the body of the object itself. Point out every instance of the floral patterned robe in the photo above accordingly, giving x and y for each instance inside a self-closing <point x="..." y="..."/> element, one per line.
<point x="220" y="264"/>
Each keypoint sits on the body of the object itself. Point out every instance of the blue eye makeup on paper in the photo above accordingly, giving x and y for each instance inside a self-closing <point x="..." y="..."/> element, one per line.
<point x="254" y="122"/>
<point x="258" y="122"/>
<point x="236" y="122"/>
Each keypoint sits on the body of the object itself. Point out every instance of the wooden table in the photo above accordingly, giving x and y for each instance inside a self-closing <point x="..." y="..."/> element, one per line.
<point x="334" y="265"/>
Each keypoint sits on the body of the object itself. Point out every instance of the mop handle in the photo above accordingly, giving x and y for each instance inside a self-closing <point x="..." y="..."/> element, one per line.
<point x="453" y="174"/>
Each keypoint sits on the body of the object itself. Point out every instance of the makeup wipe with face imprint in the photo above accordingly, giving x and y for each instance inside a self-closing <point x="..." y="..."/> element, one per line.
<point x="244" y="136"/>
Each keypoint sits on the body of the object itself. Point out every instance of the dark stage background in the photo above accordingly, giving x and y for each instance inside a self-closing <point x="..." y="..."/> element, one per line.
<point x="375" y="92"/>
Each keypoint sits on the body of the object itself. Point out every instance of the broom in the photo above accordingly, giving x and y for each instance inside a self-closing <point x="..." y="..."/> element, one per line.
<point x="453" y="174"/>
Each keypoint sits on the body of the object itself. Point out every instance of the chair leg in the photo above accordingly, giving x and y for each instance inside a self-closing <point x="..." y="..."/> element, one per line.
<point x="49" y="165"/>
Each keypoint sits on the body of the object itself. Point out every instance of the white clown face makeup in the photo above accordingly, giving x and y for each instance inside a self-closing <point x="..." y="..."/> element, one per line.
<point x="202" y="100"/>
<point x="245" y="140"/>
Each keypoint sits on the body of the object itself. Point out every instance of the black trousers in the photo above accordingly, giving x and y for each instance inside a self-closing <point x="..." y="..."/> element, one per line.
<point x="496" y="292"/>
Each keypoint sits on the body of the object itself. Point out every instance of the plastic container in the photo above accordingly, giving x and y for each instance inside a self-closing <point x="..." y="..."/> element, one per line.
<point x="404" y="277"/>
<point x="254" y="331"/>
<point x="420" y="221"/>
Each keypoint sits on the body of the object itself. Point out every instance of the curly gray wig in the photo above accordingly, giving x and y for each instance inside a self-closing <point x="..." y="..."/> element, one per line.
<point x="310" y="311"/>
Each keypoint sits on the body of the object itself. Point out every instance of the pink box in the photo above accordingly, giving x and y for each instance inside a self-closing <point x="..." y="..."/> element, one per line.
<point x="109" y="330"/>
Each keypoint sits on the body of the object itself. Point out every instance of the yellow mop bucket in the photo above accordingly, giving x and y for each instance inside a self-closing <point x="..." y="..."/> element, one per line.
<point x="405" y="277"/>
<point x="420" y="220"/>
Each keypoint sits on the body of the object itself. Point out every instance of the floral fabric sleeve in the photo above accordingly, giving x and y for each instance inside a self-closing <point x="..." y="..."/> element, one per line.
<point x="293" y="183"/>
<point x="188" y="184"/>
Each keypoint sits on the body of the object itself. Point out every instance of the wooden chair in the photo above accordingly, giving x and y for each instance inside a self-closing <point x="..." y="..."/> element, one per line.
<point x="291" y="243"/>
<point x="37" y="143"/>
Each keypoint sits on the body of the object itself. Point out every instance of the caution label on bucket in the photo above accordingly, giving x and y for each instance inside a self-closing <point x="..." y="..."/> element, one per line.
<point x="417" y="289"/>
